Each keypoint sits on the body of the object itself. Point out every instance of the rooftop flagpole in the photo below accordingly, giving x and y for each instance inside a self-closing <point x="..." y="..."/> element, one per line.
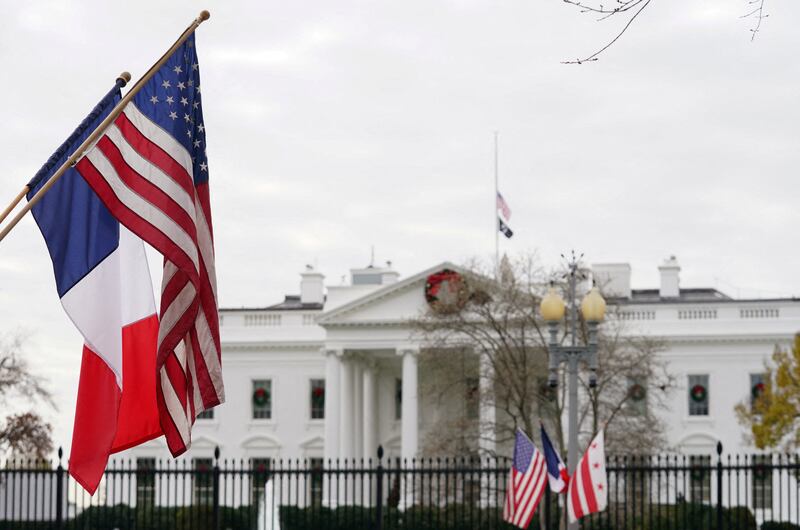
<point x="92" y="138"/>
<point x="494" y="212"/>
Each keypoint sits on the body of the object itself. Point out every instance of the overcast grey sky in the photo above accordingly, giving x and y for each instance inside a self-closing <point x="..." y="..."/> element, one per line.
<point x="333" y="126"/>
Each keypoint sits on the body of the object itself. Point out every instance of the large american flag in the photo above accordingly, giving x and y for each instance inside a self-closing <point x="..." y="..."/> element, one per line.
<point x="151" y="171"/>
<point x="588" y="487"/>
<point x="526" y="482"/>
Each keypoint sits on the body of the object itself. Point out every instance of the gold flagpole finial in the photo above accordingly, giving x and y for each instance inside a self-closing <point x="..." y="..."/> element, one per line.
<point x="204" y="15"/>
<point x="125" y="77"/>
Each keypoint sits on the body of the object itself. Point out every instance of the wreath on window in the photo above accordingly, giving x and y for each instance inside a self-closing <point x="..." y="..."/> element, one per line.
<point x="698" y="393"/>
<point x="260" y="397"/>
<point x="758" y="390"/>
<point x="446" y="291"/>
<point x="697" y="473"/>
<point x="636" y="392"/>
<point x="761" y="471"/>
<point x="318" y="395"/>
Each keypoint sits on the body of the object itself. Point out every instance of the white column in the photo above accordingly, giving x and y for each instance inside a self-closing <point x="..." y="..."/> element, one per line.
<point x="486" y="413"/>
<point x="346" y="408"/>
<point x="487" y="422"/>
<point x="332" y="363"/>
<point x="358" y="408"/>
<point x="370" y="398"/>
<point x="409" y="424"/>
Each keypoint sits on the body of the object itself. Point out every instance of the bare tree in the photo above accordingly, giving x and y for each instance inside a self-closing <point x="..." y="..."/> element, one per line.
<point x="757" y="14"/>
<point x="486" y="348"/>
<point x="629" y="11"/>
<point x="24" y="433"/>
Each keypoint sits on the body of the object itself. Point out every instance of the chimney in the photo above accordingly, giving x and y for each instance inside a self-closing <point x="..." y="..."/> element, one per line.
<point x="670" y="281"/>
<point x="613" y="279"/>
<point x="389" y="275"/>
<point x="312" y="286"/>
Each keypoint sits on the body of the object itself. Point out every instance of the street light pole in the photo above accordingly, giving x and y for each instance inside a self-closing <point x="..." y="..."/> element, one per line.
<point x="553" y="311"/>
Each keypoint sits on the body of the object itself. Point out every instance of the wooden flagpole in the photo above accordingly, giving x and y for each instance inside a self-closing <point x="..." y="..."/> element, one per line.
<point x="13" y="204"/>
<point x="122" y="79"/>
<point x="92" y="138"/>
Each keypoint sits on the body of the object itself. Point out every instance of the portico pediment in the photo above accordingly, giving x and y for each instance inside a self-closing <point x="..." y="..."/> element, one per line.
<point x="391" y="304"/>
<point x="204" y="442"/>
<point x="261" y="441"/>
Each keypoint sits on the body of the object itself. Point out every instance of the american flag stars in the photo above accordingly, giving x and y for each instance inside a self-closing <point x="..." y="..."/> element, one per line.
<point x="173" y="90"/>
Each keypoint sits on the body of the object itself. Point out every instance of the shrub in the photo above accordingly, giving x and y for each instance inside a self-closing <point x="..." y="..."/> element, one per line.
<point x="774" y="525"/>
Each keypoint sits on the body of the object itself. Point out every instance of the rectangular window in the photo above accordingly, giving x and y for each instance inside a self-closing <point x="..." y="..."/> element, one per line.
<point x="259" y="474"/>
<point x="472" y="398"/>
<point x="762" y="482"/>
<point x="203" y="490"/>
<point x="398" y="399"/>
<point x="757" y="382"/>
<point x="315" y="482"/>
<point x="206" y="415"/>
<point x="262" y="399"/>
<point x="145" y="482"/>
<point x="317" y="399"/>
<point x="700" y="478"/>
<point x="698" y="395"/>
<point x="637" y="396"/>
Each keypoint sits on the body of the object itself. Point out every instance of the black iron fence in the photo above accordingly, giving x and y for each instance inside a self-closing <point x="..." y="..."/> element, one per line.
<point x="644" y="492"/>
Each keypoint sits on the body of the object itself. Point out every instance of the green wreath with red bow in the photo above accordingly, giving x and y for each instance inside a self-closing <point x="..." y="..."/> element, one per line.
<point x="318" y="395"/>
<point x="637" y="392"/>
<point x="446" y="291"/>
<point x="698" y="393"/>
<point x="260" y="397"/>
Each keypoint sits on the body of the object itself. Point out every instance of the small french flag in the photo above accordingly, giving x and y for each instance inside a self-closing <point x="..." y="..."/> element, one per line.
<point x="556" y="470"/>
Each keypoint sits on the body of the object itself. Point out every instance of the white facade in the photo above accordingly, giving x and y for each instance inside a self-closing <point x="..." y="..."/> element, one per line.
<point x="356" y="339"/>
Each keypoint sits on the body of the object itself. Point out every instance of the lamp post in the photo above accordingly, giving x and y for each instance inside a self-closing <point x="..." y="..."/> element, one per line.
<point x="553" y="309"/>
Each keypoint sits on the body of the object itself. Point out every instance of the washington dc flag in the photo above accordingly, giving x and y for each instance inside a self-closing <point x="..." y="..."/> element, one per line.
<point x="104" y="284"/>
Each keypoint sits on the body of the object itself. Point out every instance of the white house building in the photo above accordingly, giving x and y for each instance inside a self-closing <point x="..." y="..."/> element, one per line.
<point x="332" y="372"/>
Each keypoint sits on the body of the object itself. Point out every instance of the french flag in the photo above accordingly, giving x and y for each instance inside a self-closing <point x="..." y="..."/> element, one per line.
<point x="103" y="281"/>
<point x="557" y="473"/>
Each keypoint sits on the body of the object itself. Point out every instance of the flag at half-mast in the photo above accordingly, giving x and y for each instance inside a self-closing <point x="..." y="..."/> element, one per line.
<point x="103" y="281"/>
<point x="504" y="228"/>
<point x="502" y="207"/>
<point x="150" y="170"/>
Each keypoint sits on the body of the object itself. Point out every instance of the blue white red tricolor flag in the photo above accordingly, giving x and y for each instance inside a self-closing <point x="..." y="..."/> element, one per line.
<point x="556" y="470"/>
<point x="502" y="206"/>
<point x="526" y="481"/>
<point x="151" y="172"/>
<point x="588" y="488"/>
<point x="103" y="281"/>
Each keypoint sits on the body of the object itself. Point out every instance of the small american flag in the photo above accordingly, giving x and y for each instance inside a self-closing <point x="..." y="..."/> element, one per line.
<point x="526" y="482"/>
<point x="588" y="487"/>
<point x="502" y="206"/>
<point x="150" y="170"/>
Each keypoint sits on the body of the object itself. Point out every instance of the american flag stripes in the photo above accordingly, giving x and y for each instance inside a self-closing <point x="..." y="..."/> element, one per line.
<point x="150" y="170"/>
<point x="588" y="487"/>
<point x="502" y="206"/>
<point x="526" y="482"/>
